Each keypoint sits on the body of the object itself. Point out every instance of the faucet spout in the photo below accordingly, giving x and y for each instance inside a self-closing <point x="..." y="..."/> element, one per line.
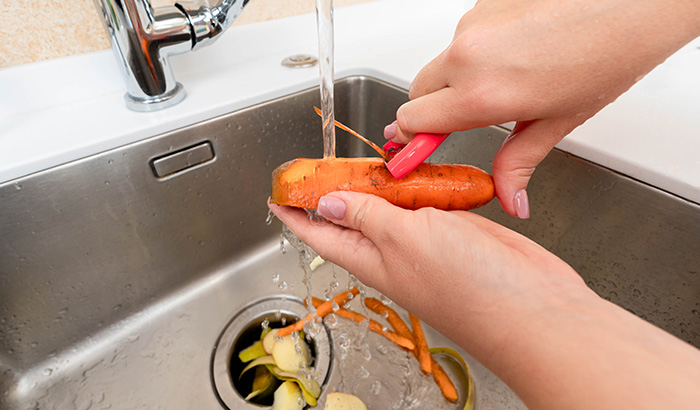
<point x="143" y="38"/>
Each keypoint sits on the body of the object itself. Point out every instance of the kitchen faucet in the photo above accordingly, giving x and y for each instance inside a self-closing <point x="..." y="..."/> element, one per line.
<point x="143" y="37"/>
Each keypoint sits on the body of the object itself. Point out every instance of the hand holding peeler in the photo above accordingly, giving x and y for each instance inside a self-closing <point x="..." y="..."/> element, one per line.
<point x="406" y="157"/>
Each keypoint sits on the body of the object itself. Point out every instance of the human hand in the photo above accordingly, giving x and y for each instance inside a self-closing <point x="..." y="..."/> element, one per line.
<point x="442" y="266"/>
<point x="548" y="65"/>
<point x="513" y="306"/>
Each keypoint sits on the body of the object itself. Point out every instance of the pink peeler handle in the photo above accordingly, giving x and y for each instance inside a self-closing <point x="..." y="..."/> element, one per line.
<point x="405" y="158"/>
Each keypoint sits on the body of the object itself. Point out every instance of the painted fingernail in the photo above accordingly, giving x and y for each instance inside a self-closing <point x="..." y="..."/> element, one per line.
<point x="521" y="204"/>
<point x="390" y="131"/>
<point x="331" y="208"/>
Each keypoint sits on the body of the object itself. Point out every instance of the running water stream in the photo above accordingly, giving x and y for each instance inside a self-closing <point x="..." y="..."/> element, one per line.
<point x="324" y="20"/>
<point x="369" y="366"/>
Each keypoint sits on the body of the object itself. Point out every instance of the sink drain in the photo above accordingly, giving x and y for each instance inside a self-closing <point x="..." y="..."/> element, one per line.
<point x="243" y="330"/>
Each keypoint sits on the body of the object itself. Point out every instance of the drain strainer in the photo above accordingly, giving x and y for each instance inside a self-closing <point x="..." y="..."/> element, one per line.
<point x="243" y="330"/>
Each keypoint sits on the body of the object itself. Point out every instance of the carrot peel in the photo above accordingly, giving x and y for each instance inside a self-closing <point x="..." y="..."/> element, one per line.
<point x="422" y="352"/>
<point x="373" y="326"/>
<point x="443" y="381"/>
<point x="324" y="309"/>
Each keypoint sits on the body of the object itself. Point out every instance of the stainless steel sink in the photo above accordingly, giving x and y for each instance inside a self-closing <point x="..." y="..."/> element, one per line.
<point x="119" y="272"/>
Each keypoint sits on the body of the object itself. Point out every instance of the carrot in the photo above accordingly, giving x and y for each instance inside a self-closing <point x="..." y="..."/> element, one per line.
<point x="391" y="316"/>
<point x="373" y="326"/>
<point x="448" y="389"/>
<point x="301" y="182"/>
<point x="324" y="309"/>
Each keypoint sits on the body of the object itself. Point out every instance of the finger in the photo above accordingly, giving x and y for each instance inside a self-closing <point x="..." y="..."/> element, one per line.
<point x="392" y="133"/>
<point x="521" y="152"/>
<point x="346" y="248"/>
<point x="443" y="111"/>
<point x="432" y="77"/>
<point x="374" y="217"/>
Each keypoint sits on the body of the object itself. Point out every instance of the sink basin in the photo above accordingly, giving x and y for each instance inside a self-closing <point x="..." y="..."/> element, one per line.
<point x="119" y="272"/>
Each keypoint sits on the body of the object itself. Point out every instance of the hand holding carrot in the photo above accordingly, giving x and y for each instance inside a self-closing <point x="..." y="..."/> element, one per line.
<point x="515" y="307"/>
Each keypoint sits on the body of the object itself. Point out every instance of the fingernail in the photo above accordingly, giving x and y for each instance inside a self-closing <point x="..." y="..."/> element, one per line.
<point x="390" y="131"/>
<point x="521" y="204"/>
<point x="331" y="208"/>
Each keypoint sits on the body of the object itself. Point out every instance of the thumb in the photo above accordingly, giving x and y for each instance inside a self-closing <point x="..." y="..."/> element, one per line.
<point x="371" y="215"/>
<point x="521" y="152"/>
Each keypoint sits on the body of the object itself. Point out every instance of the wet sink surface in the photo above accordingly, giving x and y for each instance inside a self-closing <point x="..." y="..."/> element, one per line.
<point x="119" y="272"/>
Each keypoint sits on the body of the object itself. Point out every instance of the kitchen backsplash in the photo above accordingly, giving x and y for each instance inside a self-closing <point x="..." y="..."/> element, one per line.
<point x="59" y="28"/>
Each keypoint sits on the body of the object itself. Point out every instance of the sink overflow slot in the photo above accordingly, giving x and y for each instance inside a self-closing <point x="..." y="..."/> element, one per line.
<point x="183" y="160"/>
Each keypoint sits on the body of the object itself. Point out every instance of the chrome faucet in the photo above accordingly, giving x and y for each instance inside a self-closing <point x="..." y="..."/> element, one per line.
<point x="143" y="37"/>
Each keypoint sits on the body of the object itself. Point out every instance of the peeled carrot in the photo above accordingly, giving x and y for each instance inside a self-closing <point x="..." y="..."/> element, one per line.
<point x="373" y="326"/>
<point x="301" y="182"/>
<point x="324" y="309"/>
<point x="422" y="352"/>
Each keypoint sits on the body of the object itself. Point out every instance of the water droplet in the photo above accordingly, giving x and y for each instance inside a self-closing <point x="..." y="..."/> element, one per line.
<point x="275" y="278"/>
<point x="332" y="320"/>
<point x="366" y="352"/>
<point x="283" y="285"/>
<point x="265" y="324"/>
<point x="362" y="372"/>
<point x="270" y="218"/>
<point x="376" y="387"/>
<point x="283" y="248"/>
<point x="344" y="341"/>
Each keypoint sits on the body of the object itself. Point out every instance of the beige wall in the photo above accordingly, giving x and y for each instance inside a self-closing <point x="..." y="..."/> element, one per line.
<point x="57" y="28"/>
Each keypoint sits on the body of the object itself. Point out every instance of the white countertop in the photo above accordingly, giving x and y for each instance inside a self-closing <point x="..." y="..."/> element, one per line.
<point x="61" y="110"/>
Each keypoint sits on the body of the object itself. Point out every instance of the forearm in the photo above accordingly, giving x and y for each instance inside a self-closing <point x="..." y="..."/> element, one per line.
<point x="592" y="354"/>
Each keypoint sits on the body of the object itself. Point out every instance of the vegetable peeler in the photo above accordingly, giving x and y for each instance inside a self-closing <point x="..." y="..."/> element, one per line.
<point x="406" y="157"/>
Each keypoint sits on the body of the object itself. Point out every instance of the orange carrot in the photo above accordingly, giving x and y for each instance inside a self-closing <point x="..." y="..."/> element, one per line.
<point x="373" y="326"/>
<point x="391" y="316"/>
<point x="301" y="182"/>
<point x="324" y="309"/>
<point x="448" y="389"/>
<point x="422" y="352"/>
